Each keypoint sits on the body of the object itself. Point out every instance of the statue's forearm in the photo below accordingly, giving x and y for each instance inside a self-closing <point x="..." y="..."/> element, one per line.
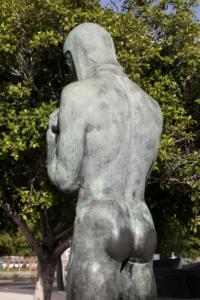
<point x="51" y="156"/>
<point x="52" y="135"/>
<point x="61" y="174"/>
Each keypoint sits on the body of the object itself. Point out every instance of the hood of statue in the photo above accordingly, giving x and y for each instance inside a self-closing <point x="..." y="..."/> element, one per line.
<point x="92" y="50"/>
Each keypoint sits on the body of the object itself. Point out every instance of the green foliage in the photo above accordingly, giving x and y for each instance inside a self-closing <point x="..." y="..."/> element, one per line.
<point x="178" y="239"/>
<point x="14" y="244"/>
<point x="172" y="81"/>
<point x="158" y="45"/>
<point x="12" y="241"/>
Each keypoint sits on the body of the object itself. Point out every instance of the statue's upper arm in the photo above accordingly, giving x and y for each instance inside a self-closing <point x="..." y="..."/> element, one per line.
<point x="70" y="144"/>
<point x="69" y="108"/>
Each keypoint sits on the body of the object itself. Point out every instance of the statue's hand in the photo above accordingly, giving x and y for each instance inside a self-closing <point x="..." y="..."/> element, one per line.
<point x="53" y="130"/>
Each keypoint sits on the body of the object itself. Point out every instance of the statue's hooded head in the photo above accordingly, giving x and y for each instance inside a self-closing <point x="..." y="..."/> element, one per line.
<point x="91" y="47"/>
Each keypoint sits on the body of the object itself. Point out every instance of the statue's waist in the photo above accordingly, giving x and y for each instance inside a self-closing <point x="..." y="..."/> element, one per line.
<point x="92" y="194"/>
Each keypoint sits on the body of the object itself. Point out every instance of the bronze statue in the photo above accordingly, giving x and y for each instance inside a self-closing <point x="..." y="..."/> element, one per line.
<point x="102" y="142"/>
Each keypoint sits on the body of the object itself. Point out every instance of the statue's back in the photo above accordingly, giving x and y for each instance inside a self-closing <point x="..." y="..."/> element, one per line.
<point x="122" y="137"/>
<point x="146" y="127"/>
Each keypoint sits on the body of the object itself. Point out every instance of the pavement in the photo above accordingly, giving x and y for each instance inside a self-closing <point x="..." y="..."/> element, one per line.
<point x="55" y="296"/>
<point x="23" y="289"/>
<point x="16" y="296"/>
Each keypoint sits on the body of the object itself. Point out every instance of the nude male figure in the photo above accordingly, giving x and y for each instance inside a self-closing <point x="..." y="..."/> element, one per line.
<point x="102" y="142"/>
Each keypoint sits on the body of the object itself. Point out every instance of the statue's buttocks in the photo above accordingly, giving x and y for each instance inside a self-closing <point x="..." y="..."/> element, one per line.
<point x="105" y="224"/>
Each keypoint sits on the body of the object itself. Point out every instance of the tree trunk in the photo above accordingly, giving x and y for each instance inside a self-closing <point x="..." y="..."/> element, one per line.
<point x="44" y="284"/>
<point x="59" y="271"/>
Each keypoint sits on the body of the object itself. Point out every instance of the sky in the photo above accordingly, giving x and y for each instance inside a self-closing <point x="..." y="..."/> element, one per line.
<point x="107" y="2"/>
<point x="119" y="2"/>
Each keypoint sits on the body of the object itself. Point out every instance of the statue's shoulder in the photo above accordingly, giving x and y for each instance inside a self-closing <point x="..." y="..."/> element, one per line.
<point x="155" y="107"/>
<point x="146" y="101"/>
<point x="72" y="90"/>
<point x="79" y="91"/>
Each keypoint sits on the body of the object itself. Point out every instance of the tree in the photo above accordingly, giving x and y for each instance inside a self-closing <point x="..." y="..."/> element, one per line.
<point x="136" y="6"/>
<point x="170" y="73"/>
<point x="30" y="86"/>
<point x="158" y="48"/>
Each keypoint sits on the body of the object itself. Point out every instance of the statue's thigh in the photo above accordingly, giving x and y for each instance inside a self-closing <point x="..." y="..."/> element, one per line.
<point x="143" y="281"/>
<point x="93" y="280"/>
<point x="95" y="263"/>
<point x="99" y="279"/>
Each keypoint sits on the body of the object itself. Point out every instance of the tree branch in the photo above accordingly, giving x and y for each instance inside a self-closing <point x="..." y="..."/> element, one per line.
<point x="49" y="236"/>
<point x="62" y="247"/>
<point x="65" y="233"/>
<point x="115" y="6"/>
<point x="14" y="215"/>
<point x="153" y="180"/>
<point x="58" y="228"/>
<point x="15" y="72"/>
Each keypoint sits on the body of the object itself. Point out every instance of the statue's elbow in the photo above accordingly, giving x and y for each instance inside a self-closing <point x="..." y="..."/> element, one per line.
<point x="68" y="188"/>
<point x="67" y="184"/>
<point x="64" y="180"/>
<point x="51" y="174"/>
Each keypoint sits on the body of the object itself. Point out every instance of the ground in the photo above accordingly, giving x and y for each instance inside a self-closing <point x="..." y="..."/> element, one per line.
<point x="23" y="289"/>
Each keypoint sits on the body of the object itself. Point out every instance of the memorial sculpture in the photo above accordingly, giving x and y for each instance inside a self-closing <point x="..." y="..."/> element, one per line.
<point x="102" y="142"/>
